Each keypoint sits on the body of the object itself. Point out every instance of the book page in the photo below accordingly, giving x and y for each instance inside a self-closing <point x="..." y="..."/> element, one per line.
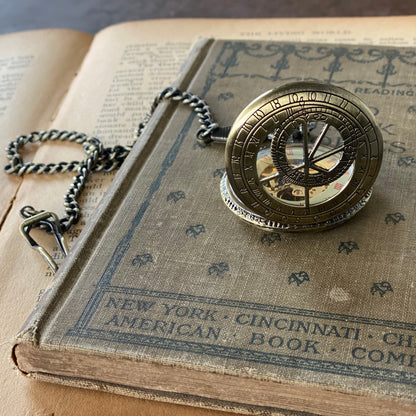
<point x="36" y="70"/>
<point x="126" y="66"/>
<point x="392" y="30"/>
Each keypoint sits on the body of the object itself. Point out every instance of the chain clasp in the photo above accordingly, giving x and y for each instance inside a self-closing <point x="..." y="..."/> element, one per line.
<point x="51" y="224"/>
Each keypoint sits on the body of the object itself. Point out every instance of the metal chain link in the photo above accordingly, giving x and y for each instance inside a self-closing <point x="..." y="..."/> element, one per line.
<point x="98" y="157"/>
<point x="198" y="105"/>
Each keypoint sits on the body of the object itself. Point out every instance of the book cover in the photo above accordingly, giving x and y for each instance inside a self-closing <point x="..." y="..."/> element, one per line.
<point x="169" y="295"/>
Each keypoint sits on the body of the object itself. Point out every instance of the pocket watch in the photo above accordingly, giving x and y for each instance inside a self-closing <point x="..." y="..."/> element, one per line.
<point x="301" y="157"/>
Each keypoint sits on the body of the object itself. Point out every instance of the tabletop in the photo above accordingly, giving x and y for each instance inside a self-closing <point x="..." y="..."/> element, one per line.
<point x="92" y="15"/>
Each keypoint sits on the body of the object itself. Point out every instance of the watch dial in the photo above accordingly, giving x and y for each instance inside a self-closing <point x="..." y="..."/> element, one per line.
<point x="304" y="155"/>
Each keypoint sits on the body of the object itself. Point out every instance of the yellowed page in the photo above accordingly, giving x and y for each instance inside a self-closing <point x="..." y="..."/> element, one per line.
<point x="36" y="70"/>
<point x="392" y="30"/>
<point x="126" y="65"/>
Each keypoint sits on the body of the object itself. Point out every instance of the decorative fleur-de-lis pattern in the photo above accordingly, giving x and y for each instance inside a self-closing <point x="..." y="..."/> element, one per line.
<point x="347" y="247"/>
<point x="381" y="288"/>
<point x="298" y="278"/>
<point x="176" y="196"/>
<point x="142" y="259"/>
<point x="218" y="269"/>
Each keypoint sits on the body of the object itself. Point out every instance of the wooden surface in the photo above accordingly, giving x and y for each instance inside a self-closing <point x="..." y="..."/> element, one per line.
<point x="92" y="15"/>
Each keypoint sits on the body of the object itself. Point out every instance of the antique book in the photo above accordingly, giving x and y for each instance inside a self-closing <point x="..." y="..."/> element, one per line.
<point x="167" y="295"/>
<point x="103" y="85"/>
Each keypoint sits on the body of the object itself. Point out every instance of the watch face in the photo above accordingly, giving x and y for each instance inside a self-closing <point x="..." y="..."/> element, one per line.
<point x="303" y="156"/>
<point x="295" y="194"/>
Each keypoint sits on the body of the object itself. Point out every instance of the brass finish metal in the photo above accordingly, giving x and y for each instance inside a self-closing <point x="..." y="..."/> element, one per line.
<point x="302" y="157"/>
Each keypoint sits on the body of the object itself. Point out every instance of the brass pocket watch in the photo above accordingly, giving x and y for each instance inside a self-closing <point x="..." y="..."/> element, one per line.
<point x="301" y="157"/>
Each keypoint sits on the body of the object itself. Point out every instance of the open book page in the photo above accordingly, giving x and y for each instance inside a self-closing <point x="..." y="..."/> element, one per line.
<point x="393" y="30"/>
<point x="36" y="70"/>
<point x="125" y="67"/>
